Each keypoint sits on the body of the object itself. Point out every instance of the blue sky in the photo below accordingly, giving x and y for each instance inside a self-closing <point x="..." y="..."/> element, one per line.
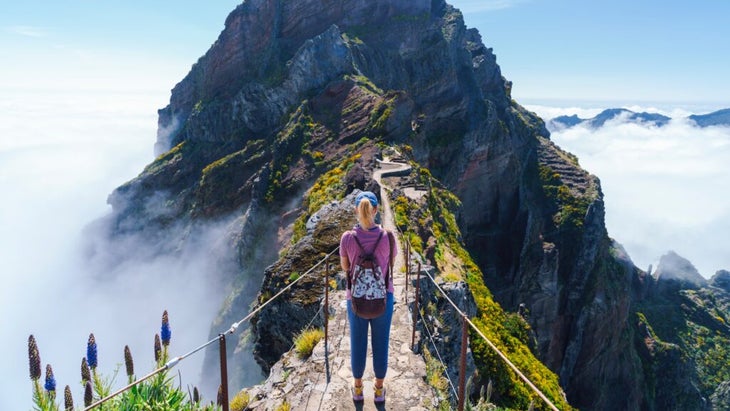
<point x="631" y="51"/>
<point x="624" y="51"/>
<point x="105" y="45"/>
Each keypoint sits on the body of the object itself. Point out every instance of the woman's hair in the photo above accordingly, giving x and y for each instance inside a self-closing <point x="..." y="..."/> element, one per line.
<point x="366" y="214"/>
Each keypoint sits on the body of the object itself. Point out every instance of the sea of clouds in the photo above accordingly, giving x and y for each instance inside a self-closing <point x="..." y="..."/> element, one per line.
<point x="61" y="154"/>
<point x="666" y="188"/>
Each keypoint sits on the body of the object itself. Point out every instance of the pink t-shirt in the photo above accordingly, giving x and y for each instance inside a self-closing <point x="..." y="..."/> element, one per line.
<point x="349" y="248"/>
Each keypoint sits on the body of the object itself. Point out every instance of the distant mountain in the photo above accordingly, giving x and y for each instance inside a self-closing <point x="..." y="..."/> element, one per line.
<point x="643" y="117"/>
<point x="716" y="118"/>
<point x="563" y="122"/>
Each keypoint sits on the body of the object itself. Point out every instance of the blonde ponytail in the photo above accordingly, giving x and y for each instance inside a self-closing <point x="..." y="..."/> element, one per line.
<point x="366" y="214"/>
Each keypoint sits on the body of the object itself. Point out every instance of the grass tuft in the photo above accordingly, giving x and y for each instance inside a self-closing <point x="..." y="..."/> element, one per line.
<point x="304" y="343"/>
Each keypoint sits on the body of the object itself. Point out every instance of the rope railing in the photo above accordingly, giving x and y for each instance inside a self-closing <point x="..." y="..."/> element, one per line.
<point x="221" y="339"/>
<point x="438" y="355"/>
<point x="490" y="344"/>
<point x="234" y="326"/>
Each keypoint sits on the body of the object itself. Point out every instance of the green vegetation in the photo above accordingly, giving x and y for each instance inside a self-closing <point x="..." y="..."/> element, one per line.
<point x="355" y="33"/>
<point x="571" y="208"/>
<point x="294" y="276"/>
<point x="380" y="115"/>
<point x="691" y="320"/>
<point x="253" y="149"/>
<point x="305" y="342"/>
<point x="435" y="372"/>
<point x="569" y="212"/>
<point x="330" y="186"/>
<point x="289" y="146"/>
<point x="221" y="180"/>
<point x="156" y="393"/>
<point x="240" y="401"/>
<point x="198" y="107"/>
<point x="509" y="332"/>
<point x="174" y="154"/>
<point x="365" y="83"/>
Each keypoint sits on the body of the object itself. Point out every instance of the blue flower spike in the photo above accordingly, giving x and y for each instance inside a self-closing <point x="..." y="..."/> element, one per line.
<point x="50" y="379"/>
<point x="165" y="332"/>
<point x="91" y="354"/>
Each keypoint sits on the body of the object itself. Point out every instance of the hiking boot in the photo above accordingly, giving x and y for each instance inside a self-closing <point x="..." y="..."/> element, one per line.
<point x="380" y="395"/>
<point x="357" y="394"/>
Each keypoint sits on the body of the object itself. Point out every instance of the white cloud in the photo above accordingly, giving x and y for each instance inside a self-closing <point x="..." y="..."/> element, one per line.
<point x="665" y="187"/>
<point x="76" y="67"/>
<point x="27" y="31"/>
<point x="61" y="154"/>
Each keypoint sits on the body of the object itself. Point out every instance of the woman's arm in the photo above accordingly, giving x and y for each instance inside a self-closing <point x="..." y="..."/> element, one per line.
<point x="345" y="263"/>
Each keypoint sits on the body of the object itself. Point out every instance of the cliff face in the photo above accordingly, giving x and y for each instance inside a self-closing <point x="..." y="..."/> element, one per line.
<point x="294" y="92"/>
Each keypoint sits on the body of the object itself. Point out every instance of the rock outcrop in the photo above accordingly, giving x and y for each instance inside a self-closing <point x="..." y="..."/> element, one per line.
<point x="672" y="267"/>
<point x="721" y="279"/>
<point x="289" y="110"/>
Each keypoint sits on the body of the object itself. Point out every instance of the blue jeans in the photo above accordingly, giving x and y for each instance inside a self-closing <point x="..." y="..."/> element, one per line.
<point x="380" y="334"/>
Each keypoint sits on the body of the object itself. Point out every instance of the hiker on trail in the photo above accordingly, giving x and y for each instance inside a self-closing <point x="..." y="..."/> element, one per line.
<point x="366" y="255"/>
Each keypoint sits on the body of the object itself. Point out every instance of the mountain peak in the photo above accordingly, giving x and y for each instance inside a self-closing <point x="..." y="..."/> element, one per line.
<point x="672" y="266"/>
<point x="716" y="118"/>
<point x="721" y="279"/>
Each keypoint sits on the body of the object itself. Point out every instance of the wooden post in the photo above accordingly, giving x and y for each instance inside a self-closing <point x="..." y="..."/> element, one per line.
<point x="462" y="363"/>
<point x="415" y="307"/>
<point x="224" y="371"/>
<point x="408" y="267"/>
<point x="326" y="312"/>
<point x="326" y="302"/>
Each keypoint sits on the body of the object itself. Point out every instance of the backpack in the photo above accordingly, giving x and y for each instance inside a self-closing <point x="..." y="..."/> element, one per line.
<point x="367" y="282"/>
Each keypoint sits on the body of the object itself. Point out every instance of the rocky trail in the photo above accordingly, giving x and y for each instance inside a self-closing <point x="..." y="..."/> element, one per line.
<point x="322" y="382"/>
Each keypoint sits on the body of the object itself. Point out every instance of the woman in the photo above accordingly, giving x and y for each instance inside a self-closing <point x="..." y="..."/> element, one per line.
<point x="369" y="235"/>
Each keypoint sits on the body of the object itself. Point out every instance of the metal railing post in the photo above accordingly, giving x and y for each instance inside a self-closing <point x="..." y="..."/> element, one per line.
<point x="224" y="371"/>
<point x="408" y="267"/>
<point x="462" y="363"/>
<point x="415" y="307"/>
<point x="326" y="302"/>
